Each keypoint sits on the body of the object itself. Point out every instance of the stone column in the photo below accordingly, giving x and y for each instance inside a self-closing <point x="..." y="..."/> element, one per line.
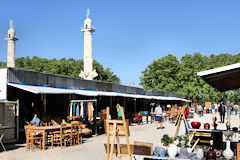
<point x="88" y="72"/>
<point x="11" y="46"/>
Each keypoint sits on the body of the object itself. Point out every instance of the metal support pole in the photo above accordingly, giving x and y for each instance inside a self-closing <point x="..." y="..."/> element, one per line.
<point x="135" y="105"/>
<point x="17" y="119"/>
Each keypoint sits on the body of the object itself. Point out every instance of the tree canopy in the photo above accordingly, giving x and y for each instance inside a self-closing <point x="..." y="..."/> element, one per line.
<point x="67" y="67"/>
<point x="180" y="76"/>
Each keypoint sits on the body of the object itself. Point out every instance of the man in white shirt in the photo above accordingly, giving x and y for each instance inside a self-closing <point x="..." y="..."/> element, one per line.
<point x="158" y="116"/>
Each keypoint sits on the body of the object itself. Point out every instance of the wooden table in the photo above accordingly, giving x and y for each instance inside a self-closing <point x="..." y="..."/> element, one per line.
<point x="45" y="129"/>
<point x="135" y="156"/>
<point x="2" y="129"/>
<point x="209" y="134"/>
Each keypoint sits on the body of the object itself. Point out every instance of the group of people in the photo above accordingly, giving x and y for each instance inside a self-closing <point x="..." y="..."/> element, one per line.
<point x="221" y="108"/>
<point x="159" y="115"/>
<point x="229" y="107"/>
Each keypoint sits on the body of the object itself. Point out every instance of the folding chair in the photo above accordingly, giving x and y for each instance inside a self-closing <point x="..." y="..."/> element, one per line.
<point x="1" y="137"/>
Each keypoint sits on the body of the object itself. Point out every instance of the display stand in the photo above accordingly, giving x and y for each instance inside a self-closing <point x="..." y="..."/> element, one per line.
<point x="94" y="114"/>
<point x="180" y="117"/>
<point x="116" y="128"/>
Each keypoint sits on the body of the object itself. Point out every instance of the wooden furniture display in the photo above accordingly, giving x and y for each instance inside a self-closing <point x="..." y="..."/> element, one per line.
<point x="172" y="114"/>
<point x="60" y="138"/>
<point x="43" y="124"/>
<point x="116" y="128"/>
<point x="205" y="136"/>
<point x="64" y="122"/>
<point x="32" y="138"/>
<point x="86" y="131"/>
<point x="54" y="123"/>
<point x="34" y="124"/>
<point x="76" y="135"/>
<point x="180" y="117"/>
<point x="47" y="129"/>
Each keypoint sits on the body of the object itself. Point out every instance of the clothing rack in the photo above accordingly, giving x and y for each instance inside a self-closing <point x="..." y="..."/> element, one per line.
<point x="90" y="100"/>
<point x="94" y="114"/>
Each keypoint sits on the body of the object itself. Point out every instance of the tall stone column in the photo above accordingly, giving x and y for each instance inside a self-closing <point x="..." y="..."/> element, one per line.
<point x="11" y="46"/>
<point x="88" y="72"/>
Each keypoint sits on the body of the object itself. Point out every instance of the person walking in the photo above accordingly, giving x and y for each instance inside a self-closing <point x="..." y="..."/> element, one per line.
<point x="158" y="117"/>
<point x="236" y="108"/>
<point x="203" y="108"/>
<point x="229" y="109"/>
<point x="199" y="109"/>
<point x="222" y="111"/>
<point x="216" y="107"/>
<point x="213" y="109"/>
<point x="186" y="111"/>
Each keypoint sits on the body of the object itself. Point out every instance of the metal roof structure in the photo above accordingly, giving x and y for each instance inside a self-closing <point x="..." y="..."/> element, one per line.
<point x="222" y="78"/>
<point x="55" y="90"/>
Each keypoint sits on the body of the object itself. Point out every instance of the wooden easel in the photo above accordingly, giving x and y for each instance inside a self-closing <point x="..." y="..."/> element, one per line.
<point x="180" y="117"/>
<point x="116" y="128"/>
<point x="177" y="124"/>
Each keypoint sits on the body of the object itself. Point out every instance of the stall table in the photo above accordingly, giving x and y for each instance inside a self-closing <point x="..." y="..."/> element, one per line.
<point x="136" y="156"/>
<point x="205" y="135"/>
<point x="44" y="130"/>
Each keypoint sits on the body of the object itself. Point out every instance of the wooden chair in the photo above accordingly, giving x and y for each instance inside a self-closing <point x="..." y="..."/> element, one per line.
<point x="63" y="121"/>
<point x="54" y="123"/>
<point x="34" y="124"/>
<point x="75" y="132"/>
<point x="61" y="137"/>
<point x="43" y="124"/>
<point x="32" y="138"/>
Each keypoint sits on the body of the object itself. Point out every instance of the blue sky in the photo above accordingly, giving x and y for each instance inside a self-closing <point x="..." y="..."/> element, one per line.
<point x="129" y="35"/>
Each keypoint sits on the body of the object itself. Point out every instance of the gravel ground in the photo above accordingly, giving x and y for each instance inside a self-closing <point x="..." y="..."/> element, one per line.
<point x="93" y="148"/>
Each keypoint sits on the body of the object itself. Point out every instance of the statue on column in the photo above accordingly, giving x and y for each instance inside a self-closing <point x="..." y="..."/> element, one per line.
<point x="11" y="24"/>
<point x="88" y="13"/>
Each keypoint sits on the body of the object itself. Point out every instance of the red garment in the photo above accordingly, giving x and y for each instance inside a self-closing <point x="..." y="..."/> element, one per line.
<point x="186" y="112"/>
<point x="175" y="106"/>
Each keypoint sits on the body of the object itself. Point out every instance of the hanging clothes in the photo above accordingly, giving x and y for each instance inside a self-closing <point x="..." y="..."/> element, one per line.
<point x="77" y="110"/>
<point x="70" y="110"/>
<point x="90" y="110"/>
<point x="81" y="112"/>
<point x="85" y="109"/>
<point x="74" y="109"/>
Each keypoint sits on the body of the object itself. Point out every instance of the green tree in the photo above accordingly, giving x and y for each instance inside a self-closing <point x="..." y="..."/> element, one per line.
<point x="3" y="64"/>
<point x="67" y="67"/>
<point x="162" y="74"/>
<point x="168" y="74"/>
